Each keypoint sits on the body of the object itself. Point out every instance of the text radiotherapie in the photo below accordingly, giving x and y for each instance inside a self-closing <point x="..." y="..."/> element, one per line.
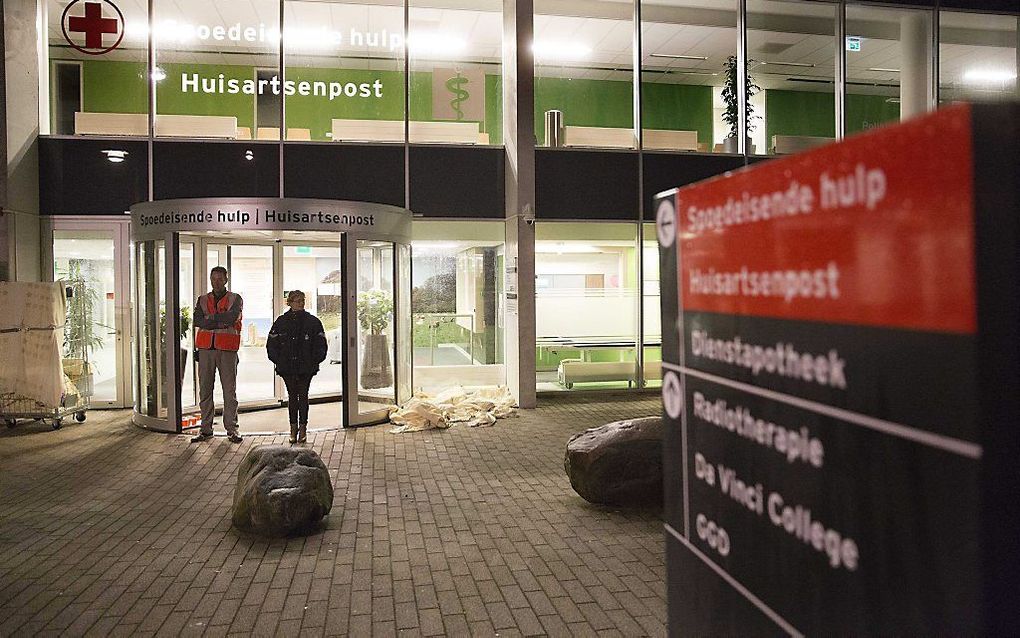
<point x="195" y="83"/>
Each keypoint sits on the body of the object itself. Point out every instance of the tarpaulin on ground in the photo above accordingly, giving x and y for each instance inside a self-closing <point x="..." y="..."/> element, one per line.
<point x="477" y="408"/>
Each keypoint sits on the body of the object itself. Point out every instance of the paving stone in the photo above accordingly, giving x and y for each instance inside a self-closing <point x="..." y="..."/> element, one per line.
<point x="467" y="531"/>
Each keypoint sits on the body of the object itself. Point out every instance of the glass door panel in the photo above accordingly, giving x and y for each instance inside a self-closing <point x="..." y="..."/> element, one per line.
<point x="375" y="296"/>
<point x="251" y="276"/>
<point x="84" y="259"/>
<point x="315" y="270"/>
<point x="150" y="281"/>
<point x="187" y="296"/>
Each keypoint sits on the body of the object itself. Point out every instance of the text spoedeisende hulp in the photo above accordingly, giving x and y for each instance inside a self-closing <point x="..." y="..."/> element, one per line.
<point x="244" y="217"/>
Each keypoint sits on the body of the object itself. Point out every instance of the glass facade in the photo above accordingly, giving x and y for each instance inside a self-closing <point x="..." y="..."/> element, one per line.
<point x="586" y="305"/>
<point x="217" y="70"/>
<point x="456" y="304"/>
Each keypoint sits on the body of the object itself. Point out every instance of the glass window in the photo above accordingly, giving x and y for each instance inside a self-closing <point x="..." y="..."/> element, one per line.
<point x="456" y="69"/>
<point x="375" y="302"/>
<point x="345" y="71"/>
<point x="97" y="55"/>
<point x="315" y="270"/>
<point x="650" y="298"/>
<point x="83" y="259"/>
<point x="216" y="68"/>
<point x="792" y="49"/>
<point x="888" y="60"/>
<point x="977" y="57"/>
<point x="584" y="74"/>
<point x="457" y="304"/>
<point x="685" y="47"/>
<point x="586" y="295"/>
<point x="251" y="276"/>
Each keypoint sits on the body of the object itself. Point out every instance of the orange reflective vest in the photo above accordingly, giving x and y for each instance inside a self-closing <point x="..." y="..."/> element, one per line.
<point x="221" y="338"/>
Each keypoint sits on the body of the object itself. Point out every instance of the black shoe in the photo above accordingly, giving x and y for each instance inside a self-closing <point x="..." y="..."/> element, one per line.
<point x="198" y="438"/>
<point x="234" y="438"/>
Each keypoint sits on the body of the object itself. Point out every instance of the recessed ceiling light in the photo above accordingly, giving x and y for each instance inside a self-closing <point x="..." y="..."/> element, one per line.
<point x="988" y="76"/>
<point x="678" y="57"/>
<point x="802" y="64"/>
<point x="552" y="50"/>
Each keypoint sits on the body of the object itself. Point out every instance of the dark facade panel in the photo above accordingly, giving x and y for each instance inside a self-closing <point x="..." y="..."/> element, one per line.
<point x="215" y="169"/>
<point x="1006" y="6"/>
<point x="572" y="184"/>
<point x="77" y="178"/>
<point x="457" y="181"/>
<point x="663" y="171"/>
<point x="356" y="172"/>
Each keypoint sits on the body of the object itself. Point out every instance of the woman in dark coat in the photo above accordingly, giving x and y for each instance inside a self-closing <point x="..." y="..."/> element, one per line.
<point x="297" y="345"/>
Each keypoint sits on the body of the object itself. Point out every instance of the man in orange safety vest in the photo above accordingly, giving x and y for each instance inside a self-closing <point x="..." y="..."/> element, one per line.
<point x="217" y="319"/>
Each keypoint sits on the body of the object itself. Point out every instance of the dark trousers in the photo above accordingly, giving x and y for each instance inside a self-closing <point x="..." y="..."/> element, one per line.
<point x="297" y="397"/>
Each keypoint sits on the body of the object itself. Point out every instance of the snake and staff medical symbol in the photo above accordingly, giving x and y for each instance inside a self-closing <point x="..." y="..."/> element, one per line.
<point x="455" y="86"/>
<point x="92" y="27"/>
<point x="457" y="95"/>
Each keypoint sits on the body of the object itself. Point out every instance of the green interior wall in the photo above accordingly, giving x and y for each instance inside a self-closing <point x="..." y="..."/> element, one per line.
<point x="119" y="87"/>
<point x="814" y="114"/>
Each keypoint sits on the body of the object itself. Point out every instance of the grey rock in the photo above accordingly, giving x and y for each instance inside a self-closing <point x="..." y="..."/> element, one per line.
<point x="619" y="463"/>
<point x="281" y="491"/>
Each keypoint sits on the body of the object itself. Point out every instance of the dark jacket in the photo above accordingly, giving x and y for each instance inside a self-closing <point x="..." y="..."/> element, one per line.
<point x="296" y="344"/>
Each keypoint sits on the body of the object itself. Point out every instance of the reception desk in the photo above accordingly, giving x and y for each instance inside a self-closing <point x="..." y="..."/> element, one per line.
<point x="137" y="124"/>
<point x="787" y="144"/>
<point x="654" y="139"/>
<point x="393" y="131"/>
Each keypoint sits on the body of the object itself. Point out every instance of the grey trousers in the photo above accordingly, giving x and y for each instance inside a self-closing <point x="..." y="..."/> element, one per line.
<point x="209" y="361"/>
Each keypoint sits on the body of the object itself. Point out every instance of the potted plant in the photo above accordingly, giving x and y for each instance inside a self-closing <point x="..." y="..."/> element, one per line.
<point x="185" y="322"/>
<point x="80" y="336"/>
<point x="731" y="98"/>
<point x="374" y="310"/>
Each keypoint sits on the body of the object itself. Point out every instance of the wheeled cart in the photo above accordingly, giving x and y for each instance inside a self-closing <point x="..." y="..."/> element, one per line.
<point x="14" y="407"/>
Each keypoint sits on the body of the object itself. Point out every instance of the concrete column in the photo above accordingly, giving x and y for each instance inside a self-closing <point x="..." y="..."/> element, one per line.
<point x="916" y="66"/>
<point x="20" y="198"/>
<point x="519" y="142"/>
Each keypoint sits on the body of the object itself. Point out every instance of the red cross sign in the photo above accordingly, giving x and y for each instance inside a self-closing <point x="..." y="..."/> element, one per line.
<point x="94" y="25"/>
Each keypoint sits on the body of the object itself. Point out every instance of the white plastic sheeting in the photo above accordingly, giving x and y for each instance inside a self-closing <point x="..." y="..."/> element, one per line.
<point x="454" y="405"/>
<point x="32" y="327"/>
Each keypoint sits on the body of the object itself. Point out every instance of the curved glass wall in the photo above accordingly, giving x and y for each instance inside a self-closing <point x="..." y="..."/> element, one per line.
<point x="375" y="364"/>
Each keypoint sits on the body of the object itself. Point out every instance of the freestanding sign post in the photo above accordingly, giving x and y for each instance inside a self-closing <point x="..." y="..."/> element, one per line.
<point x="843" y="388"/>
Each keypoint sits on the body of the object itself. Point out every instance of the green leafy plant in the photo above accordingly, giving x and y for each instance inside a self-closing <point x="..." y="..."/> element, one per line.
<point x="374" y="308"/>
<point x="731" y="98"/>
<point x="185" y="321"/>
<point x="81" y="335"/>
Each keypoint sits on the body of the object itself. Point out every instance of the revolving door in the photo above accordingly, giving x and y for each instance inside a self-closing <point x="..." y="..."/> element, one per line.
<point x="352" y="261"/>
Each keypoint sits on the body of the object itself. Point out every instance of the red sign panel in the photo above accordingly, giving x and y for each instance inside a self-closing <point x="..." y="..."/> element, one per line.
<point x="877" y="231"/>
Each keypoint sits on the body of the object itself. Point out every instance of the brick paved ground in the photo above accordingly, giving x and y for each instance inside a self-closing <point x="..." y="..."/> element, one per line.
<point x="107" y="529"/>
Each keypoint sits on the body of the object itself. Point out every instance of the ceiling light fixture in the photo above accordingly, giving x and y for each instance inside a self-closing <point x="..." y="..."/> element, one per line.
<point x="988" y="76"/>
<point x="801" y="64"/>
<point x="551" y="50"/>
<point x="115" y="156"/>
<point x="678" y="57"/>
<point x="434" y="44"/>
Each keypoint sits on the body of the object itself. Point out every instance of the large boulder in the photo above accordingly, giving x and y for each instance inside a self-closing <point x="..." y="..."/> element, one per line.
<point x="619" y="463"/>
<point x="281" y="491"/>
